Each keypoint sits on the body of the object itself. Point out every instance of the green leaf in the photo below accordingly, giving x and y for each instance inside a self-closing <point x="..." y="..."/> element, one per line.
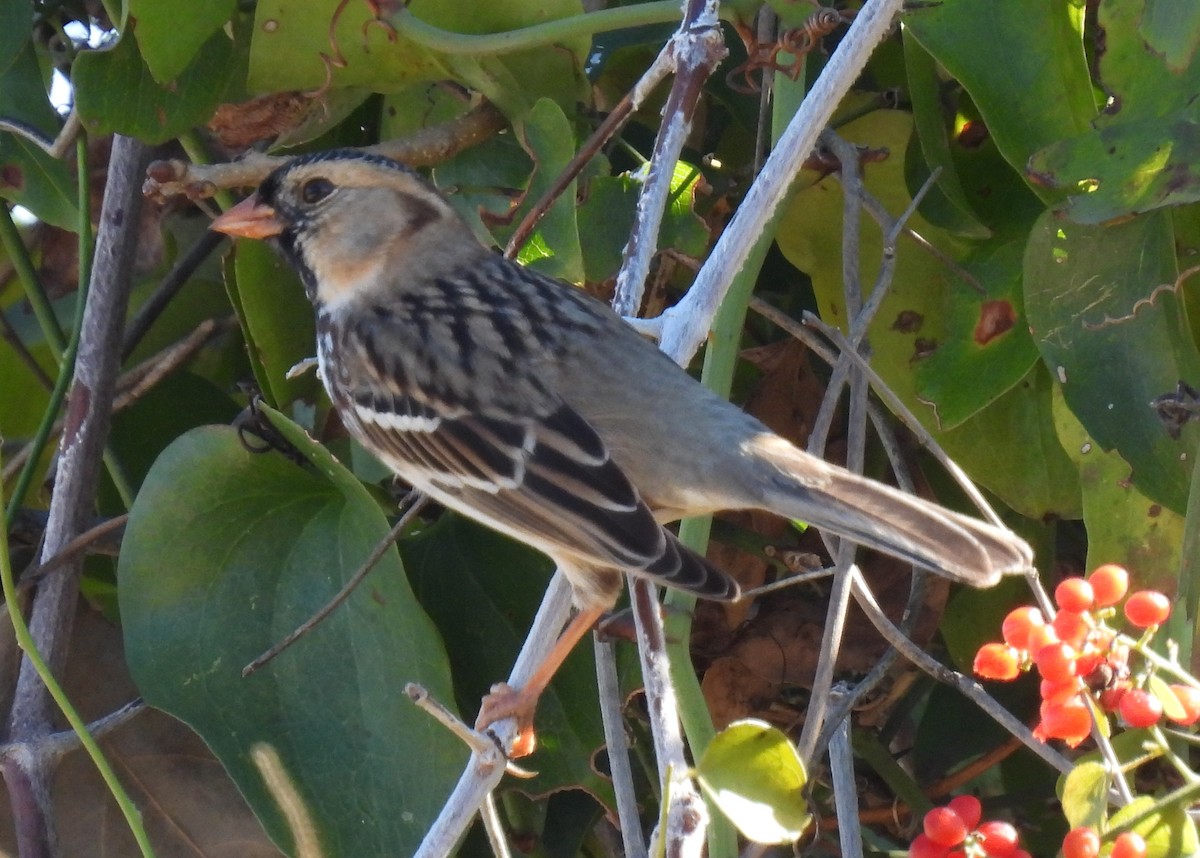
<point x="975" y="40"/>
<point x="1141" y="83"/>
<point x="986" y="336"/>
<point x="606" y="217"/>
<point x="1084" y="795"/>
<point x="924" y="87"/>
<point x="115" y="91"/>
<point x="276" y="318"/>
<point x="1010" y="446"/>
<point x="751" y="771"/>
<point x="170" y="32"/>
<point x="1124" y="169"/>
<point x="1103" y="310"/>
<point x="482" y="589"/>
<point x="28" y="176"/>
<point x="226" y="552"/>
<point x="291" y="39"/>
<point x="1123" y="525"/>
<point x="549" y="139"/>
<point x="1172" y="28"/>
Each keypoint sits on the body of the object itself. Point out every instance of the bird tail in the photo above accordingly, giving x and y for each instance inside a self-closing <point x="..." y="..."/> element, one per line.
<point x="897" y="523"/>
<point x="684" y="569"/>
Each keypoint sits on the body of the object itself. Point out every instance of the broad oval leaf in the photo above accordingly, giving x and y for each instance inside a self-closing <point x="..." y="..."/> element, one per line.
<point x="226" y="552"/>
<point x="753" y="773"/>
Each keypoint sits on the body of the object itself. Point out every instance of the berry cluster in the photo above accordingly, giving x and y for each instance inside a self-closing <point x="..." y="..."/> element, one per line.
<point x="955" y="831"/>
<point x="1082" y="659"/>
<point x="1084" y="842"/>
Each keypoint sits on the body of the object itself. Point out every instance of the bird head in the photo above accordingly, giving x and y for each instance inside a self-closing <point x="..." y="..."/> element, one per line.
<point x="348" y="221"/>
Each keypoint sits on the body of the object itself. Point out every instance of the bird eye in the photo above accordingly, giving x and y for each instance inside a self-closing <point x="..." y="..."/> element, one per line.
<point x="315" y="190"/>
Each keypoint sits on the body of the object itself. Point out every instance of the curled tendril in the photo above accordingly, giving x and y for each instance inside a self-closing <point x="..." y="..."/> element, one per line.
<point x="798" y="41"/>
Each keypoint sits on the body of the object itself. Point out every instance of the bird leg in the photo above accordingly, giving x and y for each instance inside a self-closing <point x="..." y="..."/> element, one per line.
<point x="504" y="701"/>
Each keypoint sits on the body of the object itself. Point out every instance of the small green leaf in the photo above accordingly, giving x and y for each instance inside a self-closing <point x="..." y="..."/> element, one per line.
<point x="1084" y="795"/>
<point x="548" y="137"/>
<point x="1172" y="708"/>
<point x="752" y="772"/>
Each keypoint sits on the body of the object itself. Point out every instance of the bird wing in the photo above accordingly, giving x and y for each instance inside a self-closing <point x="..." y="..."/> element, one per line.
<point x="548" y="479"/>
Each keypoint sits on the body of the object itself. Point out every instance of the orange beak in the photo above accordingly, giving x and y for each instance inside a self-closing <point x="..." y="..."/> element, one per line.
<point x="249" y="219"/>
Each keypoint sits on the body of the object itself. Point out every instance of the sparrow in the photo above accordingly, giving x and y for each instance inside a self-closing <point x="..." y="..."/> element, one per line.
<point x="530" y="406"/>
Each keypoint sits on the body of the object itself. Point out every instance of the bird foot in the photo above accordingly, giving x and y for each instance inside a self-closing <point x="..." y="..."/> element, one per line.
<point x="504" y="701"/>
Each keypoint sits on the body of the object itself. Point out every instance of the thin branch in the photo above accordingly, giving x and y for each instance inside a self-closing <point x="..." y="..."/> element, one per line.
<point x="685" y="326"/>
<point x="79" y="461"/>
<point x="618" y="749"/>
<point x="427" y="146"/>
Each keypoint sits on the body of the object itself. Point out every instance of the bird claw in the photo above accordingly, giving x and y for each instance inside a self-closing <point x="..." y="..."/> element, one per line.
<point x="502" y="702"/>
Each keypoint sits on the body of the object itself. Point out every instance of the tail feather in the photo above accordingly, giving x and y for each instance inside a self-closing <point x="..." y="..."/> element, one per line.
<point x="894" y="522"/>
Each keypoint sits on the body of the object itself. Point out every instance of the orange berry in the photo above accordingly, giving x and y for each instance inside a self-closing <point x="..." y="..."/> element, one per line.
<point x="1128" y="845"/>
<point x="1074" y="594"/>
<point x="1147" y="608"/>
<point x="1109" y="583"/>
<point x="1072" y="627"/>
<point x="968" y="809"/>
<point x="1081" y="843"/>
<point x="1189" y="700"/>
<point x="1040" y="636"/>
<point x="1017" y="625"/>
<point x="945" y="827"/>
<point x="998" y="839"/>
<point x="1057" y="693"/>
<point x="1056" y="662"/>
<point x="923" y="847"/>
<point x="997" y="661"/>
<point x="1070" y="721"/>
<point x="1140" y="708"/>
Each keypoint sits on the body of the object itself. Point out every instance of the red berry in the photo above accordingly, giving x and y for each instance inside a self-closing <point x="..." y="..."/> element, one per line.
<point x="1072" y="627"/>
<point x="1140" y="708"/>
<point x="968" y="808"/>
<point x="945" y="827"/>
<point x="923" y="847"/>
<point x="1081" y="843"/>
<point x="1070" y="721"/>
<point x="1147" y="608"/>
<point x="1040" y="636"/>
<point x="1017" y="625"/>
<point x="1189" y="700"/>
<point x="1056" y="662"/>
<point x="1058" y="693"/>
<point x="998" y="839"/>
<point x="1109" y="583"/>
<point x="1074" y="594"/>
<point x="997" y="661"/>
<point x="1128" y="845"/>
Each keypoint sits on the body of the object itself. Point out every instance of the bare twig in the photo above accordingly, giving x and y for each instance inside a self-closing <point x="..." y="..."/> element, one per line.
<point x="618" y="749"/>
<point x="421" y="148"/>
<point x="79" y="462"/>
<point x="685" y="326"/>
<point x="697" y="49"/>
<point x="845" y="790"/>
